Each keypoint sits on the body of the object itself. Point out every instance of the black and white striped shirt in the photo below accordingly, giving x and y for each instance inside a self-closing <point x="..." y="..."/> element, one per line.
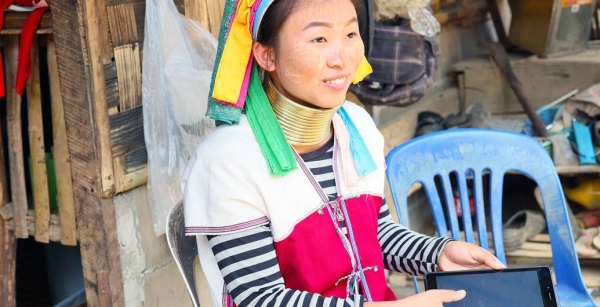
<point x="249" y="266"/>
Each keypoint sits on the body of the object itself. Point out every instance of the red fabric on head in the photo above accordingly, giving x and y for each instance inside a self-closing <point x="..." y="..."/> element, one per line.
<point x="27" y="34"/>
<point x="4" y="4"/>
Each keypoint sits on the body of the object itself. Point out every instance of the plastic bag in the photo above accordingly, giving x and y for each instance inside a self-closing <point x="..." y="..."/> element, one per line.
<point x="421" y="19"/>
<point x="177" y="65"/>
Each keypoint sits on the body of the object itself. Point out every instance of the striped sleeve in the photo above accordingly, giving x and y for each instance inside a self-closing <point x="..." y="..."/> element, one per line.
<point x="249" y="266"/>
<point x="405" y="250"/>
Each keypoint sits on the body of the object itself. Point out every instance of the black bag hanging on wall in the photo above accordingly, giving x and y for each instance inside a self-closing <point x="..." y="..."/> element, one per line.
<point x="404" y="66"/>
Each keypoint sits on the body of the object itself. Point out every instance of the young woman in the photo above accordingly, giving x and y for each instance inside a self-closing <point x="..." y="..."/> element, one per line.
<point x="303" y="222"/>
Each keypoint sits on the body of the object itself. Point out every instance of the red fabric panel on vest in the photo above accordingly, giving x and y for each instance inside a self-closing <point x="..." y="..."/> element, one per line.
<point x="4" y="4"/>
<point x="27" y="34"/>
<point x="312" y="258"/>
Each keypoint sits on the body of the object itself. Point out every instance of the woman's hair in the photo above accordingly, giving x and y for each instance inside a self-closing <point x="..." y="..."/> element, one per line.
<point x="276" y="15"/>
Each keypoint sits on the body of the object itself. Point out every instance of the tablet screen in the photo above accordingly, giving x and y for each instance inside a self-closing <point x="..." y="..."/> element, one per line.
<point x="495" y="290"/>
<point x="511" y="287"/>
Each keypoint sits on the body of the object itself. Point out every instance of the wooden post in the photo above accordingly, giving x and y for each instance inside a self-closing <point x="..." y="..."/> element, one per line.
<point x="15" y="139"/>
<point x="62" y="165"/>
<point x="207" y="12"/>
<point x="83" y="98"/>
<point x="8" y="244"/>
<point x="39" y="172"/>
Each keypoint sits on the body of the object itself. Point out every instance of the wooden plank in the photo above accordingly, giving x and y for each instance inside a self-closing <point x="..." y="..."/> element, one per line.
<point x="15" y="139"/>
<point x="129" y="76"/>
<point x="96" y="36"/>
<point x="15" y="20"/>
<point x="198" y="11"/>
<point x="104" y="292"/>
<point x="112" y="93"/>
<point x="136" y="159"/>
<point x="53" y="229"/>
<point x="123" y="26"/>
<point x="215" y="14"/>
<point x="127" y="181"/>
<point x="127" y="131"/>
<point x="18" y="31"/>
<point x="542" y="237"/>
<point x="96" y="230"/>
<point x="110" y="71"/>
<point x="8" y="266"/>
<point x="62" y="165"/>
<point x="207" y="12"/>
<point x="7" y="239"/>
<point x="139" y="10"/>
<point x="578" y="169"/>
<point x="41" y="199"/>
<point x="96" y="24"/>
<point x="111" y="84"/>
<point x="116" y="2"/>
<point x="135" y="179"/>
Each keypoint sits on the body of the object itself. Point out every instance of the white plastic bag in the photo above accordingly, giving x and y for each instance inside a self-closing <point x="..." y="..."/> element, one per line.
<point x="177" y="65"/>
<point x="421" y="19"/>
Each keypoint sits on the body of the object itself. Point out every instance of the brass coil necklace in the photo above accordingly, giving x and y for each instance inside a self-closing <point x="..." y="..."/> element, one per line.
<point x="302" y="125"/>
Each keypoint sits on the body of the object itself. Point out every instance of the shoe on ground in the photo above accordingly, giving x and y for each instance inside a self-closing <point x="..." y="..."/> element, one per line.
<point x="521" y="227"/>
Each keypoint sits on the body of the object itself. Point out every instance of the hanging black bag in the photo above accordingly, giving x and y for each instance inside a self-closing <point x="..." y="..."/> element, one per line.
<point x="404" y="66"/>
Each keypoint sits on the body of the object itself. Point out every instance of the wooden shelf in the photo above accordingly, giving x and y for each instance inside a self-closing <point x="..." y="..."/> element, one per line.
<point x="578" y="169"/>
<point x="539" y="247"/>
<point x="13" y="22"/>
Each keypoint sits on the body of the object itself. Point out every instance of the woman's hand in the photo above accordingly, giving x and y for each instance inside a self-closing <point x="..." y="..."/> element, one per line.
<point x="430" y="298"/>
<point x="459" y="255"/>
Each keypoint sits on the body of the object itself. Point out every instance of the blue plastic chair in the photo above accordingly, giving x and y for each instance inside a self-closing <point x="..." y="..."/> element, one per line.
<point x="473" y="153"/>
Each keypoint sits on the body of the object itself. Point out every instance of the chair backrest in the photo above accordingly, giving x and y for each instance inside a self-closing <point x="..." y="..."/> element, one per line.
<point x="184" y="249"/>
<point x="471" y="153"/>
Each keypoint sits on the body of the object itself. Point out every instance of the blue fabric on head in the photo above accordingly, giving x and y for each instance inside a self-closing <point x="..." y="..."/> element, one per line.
<point x="363" y="161"/>
<point x="260" y="13"/>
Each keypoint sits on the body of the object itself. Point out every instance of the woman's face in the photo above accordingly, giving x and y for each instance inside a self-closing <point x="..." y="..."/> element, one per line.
<point x="318" y="52"/>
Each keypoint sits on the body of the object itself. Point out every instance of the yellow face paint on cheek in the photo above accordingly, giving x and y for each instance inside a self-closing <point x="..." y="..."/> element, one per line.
<point x="303" y="64"/>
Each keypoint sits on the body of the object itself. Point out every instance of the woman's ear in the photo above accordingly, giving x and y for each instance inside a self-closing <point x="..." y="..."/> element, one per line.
<point x="264" y="56"/>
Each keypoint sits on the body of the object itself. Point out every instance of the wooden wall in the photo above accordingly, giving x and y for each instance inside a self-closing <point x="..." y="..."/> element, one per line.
<point x="99" y="51"/>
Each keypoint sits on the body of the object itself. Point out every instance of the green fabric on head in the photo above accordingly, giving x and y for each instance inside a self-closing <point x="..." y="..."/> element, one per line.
<point x="216" y="110"/>
<point x="267" y="130"/>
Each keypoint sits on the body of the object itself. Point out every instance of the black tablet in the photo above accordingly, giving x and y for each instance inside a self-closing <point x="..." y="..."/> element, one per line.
<point x="515" y="287"/>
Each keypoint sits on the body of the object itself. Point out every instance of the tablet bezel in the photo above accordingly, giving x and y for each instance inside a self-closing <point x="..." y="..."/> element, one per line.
<point x="544" y="278"/>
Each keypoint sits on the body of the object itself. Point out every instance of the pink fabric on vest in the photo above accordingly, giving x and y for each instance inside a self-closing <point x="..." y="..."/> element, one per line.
<point x="312" y="258"/>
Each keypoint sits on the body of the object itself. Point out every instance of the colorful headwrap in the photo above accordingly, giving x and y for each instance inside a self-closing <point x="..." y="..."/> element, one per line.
<point x="236" y="83"/>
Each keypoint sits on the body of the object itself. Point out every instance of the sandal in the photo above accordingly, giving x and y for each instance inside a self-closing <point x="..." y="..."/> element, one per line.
<point x="583" y="245"/>
<point x="596" y="240"/>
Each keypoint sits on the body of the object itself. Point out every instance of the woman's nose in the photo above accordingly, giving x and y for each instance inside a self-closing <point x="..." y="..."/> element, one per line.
<point x="337" y="59"/>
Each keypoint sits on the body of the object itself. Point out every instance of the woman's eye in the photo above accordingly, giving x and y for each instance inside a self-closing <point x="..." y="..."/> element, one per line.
<point x="319" y="40"/>
<point x="352" y="35"/>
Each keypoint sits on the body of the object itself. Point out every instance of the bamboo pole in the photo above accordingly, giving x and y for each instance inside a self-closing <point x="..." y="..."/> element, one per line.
<point x="8" y="244"/>
<point x="15" y="139"/>
<point x="62" y="165"/>
<point x="39" y="171"/>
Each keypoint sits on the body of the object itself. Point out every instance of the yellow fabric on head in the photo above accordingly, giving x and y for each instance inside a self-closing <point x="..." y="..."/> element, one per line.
<point x="364" y="69"/>
<point x="236" y="54"/>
